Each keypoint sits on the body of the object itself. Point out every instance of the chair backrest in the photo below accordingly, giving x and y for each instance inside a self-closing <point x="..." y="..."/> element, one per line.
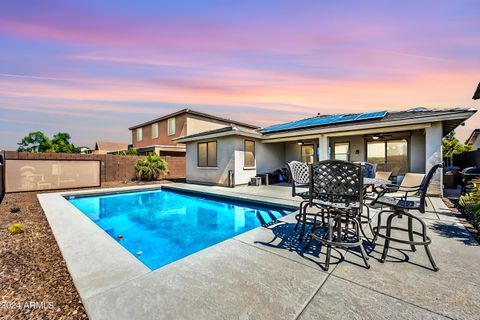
<point x="336" y="181"/>
<point x="299" y="174"/>
<point x="425" y="184"/>
<point x="369" y="169"/>
<point x="383" y="175"/>
<point x="412" y="181"/>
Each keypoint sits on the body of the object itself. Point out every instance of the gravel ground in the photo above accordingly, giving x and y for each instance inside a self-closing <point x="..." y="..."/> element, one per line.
<point x="34" y="280"/>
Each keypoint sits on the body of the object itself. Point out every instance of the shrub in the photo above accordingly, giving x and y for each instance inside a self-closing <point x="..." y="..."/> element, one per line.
<point x="132" y="152"/>
<point x="149" y="167"/>
<point x="129" y="152"/>
<point x="471" y="202"/>
<point x="15" y="228"/>
<point x="14" y="209"/>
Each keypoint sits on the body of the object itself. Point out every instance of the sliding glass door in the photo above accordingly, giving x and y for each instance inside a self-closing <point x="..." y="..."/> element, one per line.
<point x="389" y="155"/>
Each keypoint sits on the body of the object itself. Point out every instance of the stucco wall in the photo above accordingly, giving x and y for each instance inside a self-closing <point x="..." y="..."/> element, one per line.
<point x="356" y="143"/>
<point x="196" y="124"/>
<point x="163" y="137"/>
<point x="270" y="157"/>
<point x="230" y="156"/>
<point x="433" y="155"/>
<point x="243" y="174"/>
<point x="417" y="151"/>
<point x="292" y="152"/>
<point x="217" y="175"/>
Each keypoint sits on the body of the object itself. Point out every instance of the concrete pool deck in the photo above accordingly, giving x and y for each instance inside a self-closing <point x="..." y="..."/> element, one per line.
<point x="265" y="273"/>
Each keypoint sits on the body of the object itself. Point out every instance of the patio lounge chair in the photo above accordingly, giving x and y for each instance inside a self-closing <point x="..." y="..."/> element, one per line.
<point x="383" y="175"/>
<point x="408" y="187"/>
<point x="399" y="207"/>
<point x="337" y="187"/>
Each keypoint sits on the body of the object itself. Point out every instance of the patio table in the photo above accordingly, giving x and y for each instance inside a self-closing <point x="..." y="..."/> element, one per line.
<point x="366" y="219"/>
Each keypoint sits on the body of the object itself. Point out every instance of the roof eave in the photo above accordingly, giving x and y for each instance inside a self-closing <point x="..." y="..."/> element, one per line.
<point x="198" y="113"/>
<point x="461" y="115"/>
<point x="217" y="135"/>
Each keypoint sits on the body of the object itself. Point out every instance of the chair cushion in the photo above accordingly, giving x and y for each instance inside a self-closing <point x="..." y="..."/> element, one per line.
<point x="337" y="205"/>
<point x="303" y="195"/>
<point x="398" y="203"/>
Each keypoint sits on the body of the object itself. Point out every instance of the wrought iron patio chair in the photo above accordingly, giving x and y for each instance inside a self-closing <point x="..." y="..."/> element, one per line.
<point x="337" y="187"/>
<point x="299" y="177"/>
<point x="399" y="207"/>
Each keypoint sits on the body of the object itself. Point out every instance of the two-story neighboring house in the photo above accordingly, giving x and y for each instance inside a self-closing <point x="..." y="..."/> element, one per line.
<point x="474" y="139"/>
<point x="157" y="135"/>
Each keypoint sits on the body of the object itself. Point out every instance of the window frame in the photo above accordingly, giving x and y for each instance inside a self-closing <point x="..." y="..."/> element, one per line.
<point x="245" y="154"/>
<point x="348" y="150"/>
<point x="385" y="142"/>
<point x="154" y="125"/>
<point x="216" y="154"/>
<point x="169" y="126"/>
<point x="301" y="151"/>
<point x="139" y="132"/>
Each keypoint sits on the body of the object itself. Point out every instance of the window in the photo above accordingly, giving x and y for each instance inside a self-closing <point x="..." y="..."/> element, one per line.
<point x="249" y="154"/>
<point x="139" y="134"/>
<point x="207" y="154"/>
<point x="341" y="151"/>
<point x="171" y="126"/>
<point x="389" y="155"/>
<point x="308" y="153"/>
<point x="155" y="131"/>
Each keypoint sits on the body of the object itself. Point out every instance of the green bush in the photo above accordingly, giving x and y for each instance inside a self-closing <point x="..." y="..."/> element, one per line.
<point x="149" y="167"/>
<point x="471" y="202"/>
<point x="14" y="209"/>
<point x="129" y="152"/>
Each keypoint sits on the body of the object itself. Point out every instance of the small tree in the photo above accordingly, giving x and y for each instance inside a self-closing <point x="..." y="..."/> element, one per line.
<point x="61" y="143"/>
<point x="39" y="142"/>
<point x="451" y="145"/>
<point x="35" y="142"/>
<point x="149" y="167"/>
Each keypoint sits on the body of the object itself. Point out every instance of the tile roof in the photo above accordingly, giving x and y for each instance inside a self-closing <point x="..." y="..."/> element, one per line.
<point x="197" y="113"/>
<point x="111" y="146"/>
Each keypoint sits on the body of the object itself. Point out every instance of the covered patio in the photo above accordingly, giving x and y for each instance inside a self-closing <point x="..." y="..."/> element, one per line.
<point x="266" y="274"/>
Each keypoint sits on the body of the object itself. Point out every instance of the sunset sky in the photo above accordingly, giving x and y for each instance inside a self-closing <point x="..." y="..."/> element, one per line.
<point x="94" y="68"/>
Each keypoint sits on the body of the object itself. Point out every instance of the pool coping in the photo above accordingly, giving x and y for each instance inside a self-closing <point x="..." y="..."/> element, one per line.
<point x="118" y="266"/>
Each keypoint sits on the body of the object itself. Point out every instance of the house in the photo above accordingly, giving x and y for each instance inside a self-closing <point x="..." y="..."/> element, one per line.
<point x="85" y="150"/>
<point x="104" y="147"/>
<point x="474" y="139"/>
<point x="476" y="95"/>
<point x="398" y="141"/>
<point x="158" y="134"/>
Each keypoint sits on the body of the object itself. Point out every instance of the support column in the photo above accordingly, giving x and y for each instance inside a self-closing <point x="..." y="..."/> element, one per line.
<point x="433" y="155"/>
<point x="323" y="146"/>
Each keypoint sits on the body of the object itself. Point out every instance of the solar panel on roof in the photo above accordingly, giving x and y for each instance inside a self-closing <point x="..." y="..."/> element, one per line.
<point x="319" y="121"/>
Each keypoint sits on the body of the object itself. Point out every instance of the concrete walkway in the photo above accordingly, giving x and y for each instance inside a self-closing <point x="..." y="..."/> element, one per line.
<point x="266" y="274"/>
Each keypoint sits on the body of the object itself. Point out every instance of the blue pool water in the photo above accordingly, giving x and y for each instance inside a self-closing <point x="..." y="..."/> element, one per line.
<point x="162" y="226"/>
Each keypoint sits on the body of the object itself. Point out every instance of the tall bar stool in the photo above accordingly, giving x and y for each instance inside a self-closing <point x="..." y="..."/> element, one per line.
<point x="337" y="187"/>
<point x="399" y="207"/>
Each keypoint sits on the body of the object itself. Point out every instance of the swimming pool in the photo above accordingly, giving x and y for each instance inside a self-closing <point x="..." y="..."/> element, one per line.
<point x="162" y="226"/>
